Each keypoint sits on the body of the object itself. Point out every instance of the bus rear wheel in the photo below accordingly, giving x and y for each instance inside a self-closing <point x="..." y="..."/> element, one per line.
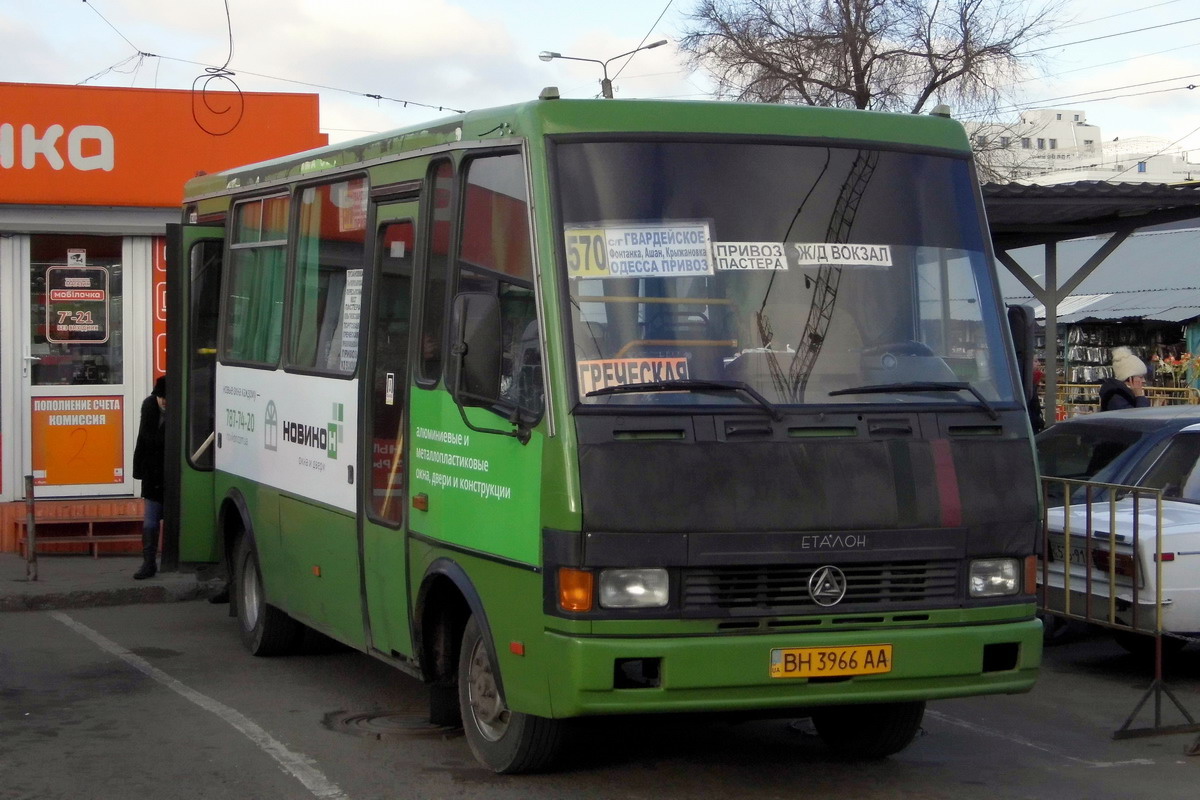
<point x="869" y="731"/>
<point x="503" y="740"/>
<point x="266" y="631"/>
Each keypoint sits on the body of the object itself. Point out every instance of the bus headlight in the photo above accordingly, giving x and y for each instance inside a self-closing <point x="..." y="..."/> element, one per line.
<point x="634" y="588"/>
<point x="994" y="577"/>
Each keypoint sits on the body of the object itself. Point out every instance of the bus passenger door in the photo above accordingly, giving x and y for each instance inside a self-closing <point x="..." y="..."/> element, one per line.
<point x="194" y="263"/>
<point x="385" y="417"/>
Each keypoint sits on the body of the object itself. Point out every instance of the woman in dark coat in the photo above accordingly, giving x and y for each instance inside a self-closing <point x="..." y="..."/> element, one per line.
<point x="1127" y="387"/>
<point x="149" y="466"/>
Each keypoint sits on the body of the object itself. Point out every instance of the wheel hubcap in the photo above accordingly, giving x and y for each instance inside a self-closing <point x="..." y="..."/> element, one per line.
<point x="490" y="714"/>
<point x="251" y="594"/>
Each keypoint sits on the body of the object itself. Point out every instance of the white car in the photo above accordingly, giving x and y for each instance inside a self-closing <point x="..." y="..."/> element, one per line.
<point x="1114" y="572"/>
<point x="1095" y="572"/>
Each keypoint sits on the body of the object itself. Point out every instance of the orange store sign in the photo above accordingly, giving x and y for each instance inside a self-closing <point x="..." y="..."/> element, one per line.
<point x="97" y="145"/>
<point x="78" y="440"/>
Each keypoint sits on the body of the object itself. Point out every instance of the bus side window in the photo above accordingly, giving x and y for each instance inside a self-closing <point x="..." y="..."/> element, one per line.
<point x="437" y="261"/>
<point x="254" y="302"/>
<point x="495" y="257"/>
<point x="327" y="292"/>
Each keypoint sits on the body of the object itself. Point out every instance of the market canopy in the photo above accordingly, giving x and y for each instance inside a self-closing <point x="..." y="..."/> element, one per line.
<point x="1024" y="215"/>
<point x="1021" y="215"/>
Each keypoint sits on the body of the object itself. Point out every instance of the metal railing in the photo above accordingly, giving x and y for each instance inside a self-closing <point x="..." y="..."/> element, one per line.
<point x="1084" y="398"/>
<point x="1093" y="569"/>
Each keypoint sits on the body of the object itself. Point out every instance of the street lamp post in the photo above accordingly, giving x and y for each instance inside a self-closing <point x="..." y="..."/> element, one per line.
<point x="605" y="83"/>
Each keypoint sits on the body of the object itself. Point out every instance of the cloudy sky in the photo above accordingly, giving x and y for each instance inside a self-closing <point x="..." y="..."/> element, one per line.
<point x="464" y="54"/>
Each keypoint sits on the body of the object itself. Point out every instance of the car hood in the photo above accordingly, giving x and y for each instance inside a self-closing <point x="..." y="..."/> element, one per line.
<point x="1178" y="517"/>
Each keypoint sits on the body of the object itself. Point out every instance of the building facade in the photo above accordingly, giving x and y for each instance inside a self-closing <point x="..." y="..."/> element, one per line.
<point x="89" y="179"/>
<point x="1058" y="145"/>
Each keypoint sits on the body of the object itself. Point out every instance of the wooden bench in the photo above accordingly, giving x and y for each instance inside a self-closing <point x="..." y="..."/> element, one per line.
<point x="93" y="536"/>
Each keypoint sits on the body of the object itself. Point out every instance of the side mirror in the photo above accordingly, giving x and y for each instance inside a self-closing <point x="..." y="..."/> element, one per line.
<point x="1021" y="323"/>
<point x="475" y="349"/>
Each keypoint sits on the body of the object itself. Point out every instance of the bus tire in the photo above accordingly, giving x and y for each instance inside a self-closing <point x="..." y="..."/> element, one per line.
<point x="266" y="631"/>
<point x="505" y="741"/>
<point x="869" y="731"/>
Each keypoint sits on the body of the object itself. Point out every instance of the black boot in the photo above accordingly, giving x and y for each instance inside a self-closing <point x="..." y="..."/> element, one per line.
<point x="149" y="554"/>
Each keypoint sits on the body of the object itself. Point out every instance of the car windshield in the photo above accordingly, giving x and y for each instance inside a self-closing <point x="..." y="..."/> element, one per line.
<point x="1081" y="452"/>
<point x="732" y="273"/>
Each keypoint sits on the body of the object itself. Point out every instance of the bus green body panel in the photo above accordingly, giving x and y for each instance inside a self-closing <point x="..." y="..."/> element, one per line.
<point x="386" y="588"/>
<point x="319" y="548"/>
<point x="484" y="489"/>
<point x="198" y="539"/>
<point x="308" y="554"/>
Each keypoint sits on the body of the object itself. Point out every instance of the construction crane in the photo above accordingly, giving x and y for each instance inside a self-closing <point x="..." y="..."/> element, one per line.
<point x="825" y="285"/>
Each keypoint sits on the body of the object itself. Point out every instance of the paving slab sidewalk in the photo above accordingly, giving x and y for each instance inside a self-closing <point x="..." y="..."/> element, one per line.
<point x="81" y="581"/>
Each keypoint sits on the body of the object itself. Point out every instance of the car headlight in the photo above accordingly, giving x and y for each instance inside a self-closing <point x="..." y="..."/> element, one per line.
<point x="994" y="577"/>
<point x="634" y="588"/>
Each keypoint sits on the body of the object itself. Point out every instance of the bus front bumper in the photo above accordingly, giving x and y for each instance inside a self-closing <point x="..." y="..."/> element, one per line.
<point x="614" y="675"/>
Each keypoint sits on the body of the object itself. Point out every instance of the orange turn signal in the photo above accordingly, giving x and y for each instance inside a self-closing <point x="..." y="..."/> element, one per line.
<point x="575" y="589"/>
<point x="1031" y="569"/>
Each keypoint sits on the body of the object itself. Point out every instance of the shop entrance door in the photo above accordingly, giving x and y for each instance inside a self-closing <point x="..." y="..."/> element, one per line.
<point x="77" y="409"/>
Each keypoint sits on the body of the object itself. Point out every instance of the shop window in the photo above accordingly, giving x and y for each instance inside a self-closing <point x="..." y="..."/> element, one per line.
<point x="76" y="310"/>
<point x="327" y="290"/>
<point x="254" y="301"/>
<point x="495" y="257"/>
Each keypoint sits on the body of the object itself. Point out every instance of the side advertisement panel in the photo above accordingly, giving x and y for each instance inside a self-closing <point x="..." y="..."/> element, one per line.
<point x="293" y="432"/>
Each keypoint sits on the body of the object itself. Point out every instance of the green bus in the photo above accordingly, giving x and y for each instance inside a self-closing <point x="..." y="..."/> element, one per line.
<point x="578" y="408"/>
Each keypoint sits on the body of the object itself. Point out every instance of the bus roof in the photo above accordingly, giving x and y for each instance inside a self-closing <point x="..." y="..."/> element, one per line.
<point x="556" y="116"/>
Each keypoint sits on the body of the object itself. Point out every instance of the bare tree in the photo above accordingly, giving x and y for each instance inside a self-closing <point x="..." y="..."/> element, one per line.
<point x="888" y="55"/>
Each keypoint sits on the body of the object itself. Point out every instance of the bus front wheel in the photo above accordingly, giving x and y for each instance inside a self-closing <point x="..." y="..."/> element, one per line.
<point x="266" y="631"/>
<point x="503" y="740"/>
<point x="869" y="731"/>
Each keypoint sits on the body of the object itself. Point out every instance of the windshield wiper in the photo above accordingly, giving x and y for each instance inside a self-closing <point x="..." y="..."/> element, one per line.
<point x="692" y="385"/>
<point x="922" y="386"/>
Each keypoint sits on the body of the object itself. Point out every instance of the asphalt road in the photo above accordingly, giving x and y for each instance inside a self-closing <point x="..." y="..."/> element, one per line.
<point x="158" y="701"/>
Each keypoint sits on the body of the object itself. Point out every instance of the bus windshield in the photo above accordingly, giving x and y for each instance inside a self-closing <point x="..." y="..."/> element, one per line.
<point x="804" y="274"/>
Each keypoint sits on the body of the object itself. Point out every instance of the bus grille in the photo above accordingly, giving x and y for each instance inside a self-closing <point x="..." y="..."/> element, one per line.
<point x="779" y="589"/>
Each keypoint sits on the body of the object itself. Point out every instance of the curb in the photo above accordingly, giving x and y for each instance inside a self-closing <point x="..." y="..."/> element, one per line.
<point x="89" y="598"/>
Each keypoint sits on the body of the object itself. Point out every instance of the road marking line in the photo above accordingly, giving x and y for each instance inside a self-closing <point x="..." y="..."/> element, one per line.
<point x="298" y="765"/>
<point x="1018" y="740"/>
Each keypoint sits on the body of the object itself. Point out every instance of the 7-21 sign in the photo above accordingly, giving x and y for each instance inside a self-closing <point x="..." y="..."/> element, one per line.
<point x="77" y="304"/>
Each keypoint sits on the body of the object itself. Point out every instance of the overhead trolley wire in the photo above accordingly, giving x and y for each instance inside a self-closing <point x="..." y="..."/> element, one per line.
<point x="142" y="54"/>
<point x="1108" y="36"/>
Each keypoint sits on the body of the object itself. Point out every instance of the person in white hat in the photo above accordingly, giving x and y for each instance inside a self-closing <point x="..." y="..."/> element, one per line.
<point x="1127" y="387"/>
